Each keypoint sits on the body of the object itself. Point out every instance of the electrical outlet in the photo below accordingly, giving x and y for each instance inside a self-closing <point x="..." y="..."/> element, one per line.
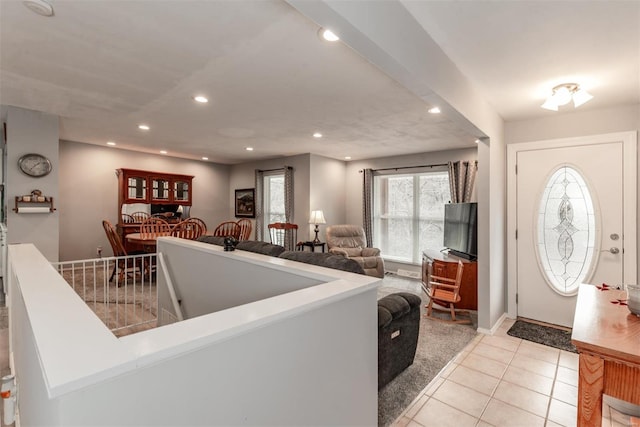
<point x="99" y="251"/>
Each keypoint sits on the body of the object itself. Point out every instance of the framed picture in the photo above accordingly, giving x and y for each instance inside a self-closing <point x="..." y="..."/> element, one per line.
<point x="246" y="203"/>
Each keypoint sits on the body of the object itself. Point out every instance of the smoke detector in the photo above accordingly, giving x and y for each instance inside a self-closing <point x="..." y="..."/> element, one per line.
<point x="40" y="7"/>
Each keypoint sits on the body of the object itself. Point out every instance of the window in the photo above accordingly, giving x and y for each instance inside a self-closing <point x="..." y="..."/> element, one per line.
<point x="273" y="200"/>
<point x="408" y="213"/>
<point x="566" y="231"/>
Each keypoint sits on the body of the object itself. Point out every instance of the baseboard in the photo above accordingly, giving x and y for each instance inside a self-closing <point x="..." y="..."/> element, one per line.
<point x="495" y="327"/>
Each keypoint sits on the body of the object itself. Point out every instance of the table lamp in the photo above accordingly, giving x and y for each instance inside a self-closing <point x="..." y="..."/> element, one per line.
<point x="317" y="217"/>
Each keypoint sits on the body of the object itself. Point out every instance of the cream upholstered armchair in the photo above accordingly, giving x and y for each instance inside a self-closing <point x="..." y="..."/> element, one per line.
<point x="350" y="241"/>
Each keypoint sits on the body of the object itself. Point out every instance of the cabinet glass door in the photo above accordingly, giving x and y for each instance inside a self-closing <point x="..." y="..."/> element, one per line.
<point x="160" y="190"/>
<point x="180" y="191"/>
<point x="137" y="188"/>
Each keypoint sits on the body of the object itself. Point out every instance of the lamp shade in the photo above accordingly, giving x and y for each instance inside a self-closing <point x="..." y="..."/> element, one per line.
<point x="317" y="217"/>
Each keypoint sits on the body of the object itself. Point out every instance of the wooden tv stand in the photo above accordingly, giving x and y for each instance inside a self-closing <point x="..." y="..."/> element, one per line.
<point x="445" y="265"/>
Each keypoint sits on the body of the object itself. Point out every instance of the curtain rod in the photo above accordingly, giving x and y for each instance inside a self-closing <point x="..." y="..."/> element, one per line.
<point x="277" y="169"/>
<point x="408" y="167"/>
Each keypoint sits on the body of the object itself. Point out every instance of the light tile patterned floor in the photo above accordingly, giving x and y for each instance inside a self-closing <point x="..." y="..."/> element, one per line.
<point x="500" y="381"/>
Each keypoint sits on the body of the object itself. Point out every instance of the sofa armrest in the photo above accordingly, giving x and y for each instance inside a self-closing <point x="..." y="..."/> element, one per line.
<point x="370" y="252"/>
<point x="339" y="251"/>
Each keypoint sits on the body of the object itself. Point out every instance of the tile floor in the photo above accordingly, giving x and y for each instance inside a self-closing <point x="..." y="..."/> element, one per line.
<point x="499" y="380"/>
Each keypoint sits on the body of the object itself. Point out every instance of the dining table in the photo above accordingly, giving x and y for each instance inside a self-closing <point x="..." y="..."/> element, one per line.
<point x="148" y="241"/>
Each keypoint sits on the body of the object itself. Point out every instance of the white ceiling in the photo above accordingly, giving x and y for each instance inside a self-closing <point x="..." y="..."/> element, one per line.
<point x="105" y="66"/>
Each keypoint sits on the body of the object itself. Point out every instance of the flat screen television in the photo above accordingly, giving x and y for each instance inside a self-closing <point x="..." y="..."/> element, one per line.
<point x="461" y="229"/>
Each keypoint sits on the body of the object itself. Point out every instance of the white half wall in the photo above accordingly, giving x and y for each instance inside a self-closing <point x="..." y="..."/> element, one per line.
<point x="304" y="357"/>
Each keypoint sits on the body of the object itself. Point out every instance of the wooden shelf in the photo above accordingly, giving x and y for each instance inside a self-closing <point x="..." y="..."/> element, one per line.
<point x="34" y="206"/>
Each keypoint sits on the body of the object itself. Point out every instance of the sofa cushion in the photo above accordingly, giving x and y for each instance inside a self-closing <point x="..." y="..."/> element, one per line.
<point x="212" y="240"/>
<point x="263" y="248"/>
<point x="328" y="260"/>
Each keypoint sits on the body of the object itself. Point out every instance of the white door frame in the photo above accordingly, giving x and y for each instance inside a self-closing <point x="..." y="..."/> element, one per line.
<point x="629" y="143"/>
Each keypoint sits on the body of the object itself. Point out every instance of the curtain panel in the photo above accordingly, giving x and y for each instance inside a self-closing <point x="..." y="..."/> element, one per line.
<point x="259" y="205"/>
<point x="367" y="205"/>
<point x="462" y="177"/>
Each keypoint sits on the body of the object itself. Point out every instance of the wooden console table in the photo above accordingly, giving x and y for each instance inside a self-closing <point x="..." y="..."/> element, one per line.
<point x="445" y="265"/>
<point x="607" y="336"/>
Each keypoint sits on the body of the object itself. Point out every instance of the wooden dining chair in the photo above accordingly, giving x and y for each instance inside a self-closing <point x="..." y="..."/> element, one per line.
<point x="139" y="216"/>
<point x="153" y="227"/>
<point x="245" y="228"/>
<point x="203" y="225"/>
<point x="227" y="228"/>
<point x="284" y="234"/>
<point x="187" y="229"/>
<point x="123" y="265"/>
<point x="127" y="219"/>
<point x="445" y="292"/>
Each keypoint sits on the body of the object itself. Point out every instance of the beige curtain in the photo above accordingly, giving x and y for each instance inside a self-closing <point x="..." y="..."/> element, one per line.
<point x="462" y="178"/>
<point x="367" y="204"/>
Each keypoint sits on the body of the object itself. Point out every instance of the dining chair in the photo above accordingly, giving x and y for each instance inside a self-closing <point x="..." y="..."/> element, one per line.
<point x="445" y="292"/>
<point x="122" y="265"/>
<point x="245" y="228"/>
<point x="127" y="219"/>
<point x="187" y="229"/>
<point x="284" y="234"/>
<point x="140" y="216"/>
<point x="201" y="222"/>
<point x="227" y="228"/>
<point x="154" y="227"/>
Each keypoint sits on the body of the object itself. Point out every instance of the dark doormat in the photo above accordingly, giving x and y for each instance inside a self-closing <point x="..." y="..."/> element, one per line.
<point x="547" y="335"/>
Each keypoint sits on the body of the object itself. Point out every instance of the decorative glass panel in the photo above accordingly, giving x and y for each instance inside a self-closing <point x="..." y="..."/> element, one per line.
<point x="181" y="190"/>
<point x="160" y="189"/>
<point x="566" y="232"/>
<point x="137" y="188"/>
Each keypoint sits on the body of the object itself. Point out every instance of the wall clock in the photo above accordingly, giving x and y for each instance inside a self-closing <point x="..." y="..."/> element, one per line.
<point x="35" y="165"/>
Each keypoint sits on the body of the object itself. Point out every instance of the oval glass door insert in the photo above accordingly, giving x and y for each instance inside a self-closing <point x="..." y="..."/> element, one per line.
<point x="566" y="231"/>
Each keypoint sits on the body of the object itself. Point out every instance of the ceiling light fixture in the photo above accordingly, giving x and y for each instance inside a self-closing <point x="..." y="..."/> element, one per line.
<point x="328" y="35"/>
<point x="205" y="158"/>
<point x="249" y="148"/>
<point x="201" y="99"/>
<point x="143" y="127"/>
<point x="477" y="141"/>
<point x="40" y="7"/>
<point x="163" y="151"/>
<point x="111" y="143"/>
<point x="434" y="110"/>
<point x="317" y="135"/>
<point x="565" y="93"/>
<point x="347" y="158"/>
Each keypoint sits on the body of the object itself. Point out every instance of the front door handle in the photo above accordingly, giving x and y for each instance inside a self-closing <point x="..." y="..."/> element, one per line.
<point x="613" y="250"/>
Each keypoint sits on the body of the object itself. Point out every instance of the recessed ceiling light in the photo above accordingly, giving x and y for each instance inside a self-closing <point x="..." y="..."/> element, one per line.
<point x="40" y="7"/>
<point x="477" y="141"/>
<point x="143" y="127"/>
<point x="205" y="158"/>
<point x="328" y="35"/>
<point x="163" y="151"/>
<point x="111" y="143"/>
<point x="201" y="99"/>
<point x="347" y="158"/>
<point x="434" y="110"/>
<point x="249" y="148"/>
<point x="317" y="135"/>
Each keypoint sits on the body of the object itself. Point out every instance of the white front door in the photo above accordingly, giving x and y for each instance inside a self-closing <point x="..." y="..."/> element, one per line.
<point x="572" y="220"/>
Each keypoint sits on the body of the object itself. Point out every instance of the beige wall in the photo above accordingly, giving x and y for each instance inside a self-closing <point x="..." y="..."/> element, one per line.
<point x="327" y="192"/>
<point x="89" y="192"/>
<point x="243" y="176"/>
<point x="32" y="132"/>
